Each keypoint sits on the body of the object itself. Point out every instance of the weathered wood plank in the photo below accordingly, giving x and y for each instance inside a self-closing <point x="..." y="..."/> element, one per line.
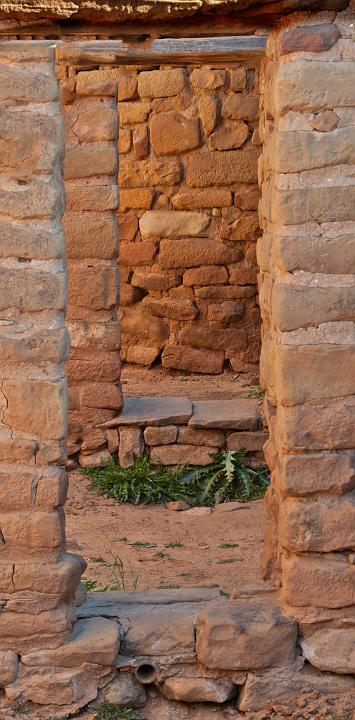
<point x="177" y="50"/>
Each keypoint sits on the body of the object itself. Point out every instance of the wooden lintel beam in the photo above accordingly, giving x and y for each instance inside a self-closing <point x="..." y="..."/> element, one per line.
<point x="164" y="50"/>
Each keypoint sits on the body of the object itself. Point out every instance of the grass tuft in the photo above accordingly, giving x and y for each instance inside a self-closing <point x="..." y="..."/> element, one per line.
<point x="226" y="478"/>
<point x="113" y="712"/>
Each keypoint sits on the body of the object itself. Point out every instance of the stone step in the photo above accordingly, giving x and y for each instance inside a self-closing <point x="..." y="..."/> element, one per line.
<point x="155" y="411"/>
<point x="237" y="414"/>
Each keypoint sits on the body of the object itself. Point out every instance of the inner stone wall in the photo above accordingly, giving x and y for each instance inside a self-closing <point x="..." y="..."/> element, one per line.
<point x="188" y="218"/>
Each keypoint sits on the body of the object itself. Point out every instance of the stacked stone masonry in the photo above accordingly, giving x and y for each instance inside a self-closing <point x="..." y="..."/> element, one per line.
<point x="188" y="149"/>
<point x="39" y="580"/>
<point x="306" y="258"/>
<point x="175" y="430"/>
<point x="91" y="229"/>
<point x="187" y="152"/>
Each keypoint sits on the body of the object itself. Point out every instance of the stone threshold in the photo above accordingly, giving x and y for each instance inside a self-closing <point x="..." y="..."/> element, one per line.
<point x="175" y="430"/>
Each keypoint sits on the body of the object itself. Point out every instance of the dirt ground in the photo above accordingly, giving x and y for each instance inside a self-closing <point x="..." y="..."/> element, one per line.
<point x="161" y="548"/>
<point x="137" y="380"/>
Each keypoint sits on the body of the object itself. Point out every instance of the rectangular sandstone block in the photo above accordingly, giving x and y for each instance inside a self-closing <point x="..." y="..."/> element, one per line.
<point x="91" y="235"/>
<point x="32" y="531"/>
<point x="93" y="366"/>
<point x="182" y="357"/>
<point x="313" y="85"/>
<point x="91" y="198"/>
<point x="29" y="142"/>
<point x="131" y="113"/>
<point x="35" y="345"/>
<point x="201" y="335"/>
<point x="326" y="580"/>
<point x="37" y="406"/>
<point x="136" y="198"/>
<point x="332" y="473"/>
<point x="27" y="85"/>
<point x="323" y="204"/>
<point x="17" y="487"/>
<point x="31" y="288"/>
<point x="38" y="239"/>
<point x="182" y="454"/>
<point x="212" y="275"/>
<point x="197" y="199"/>
<point x="89" y="160"/>
<point x="39" y="197"/>
<point x="320" y="524"/>
<point x="326" y="426"/>
<point x="17" y="449"/>
<point x="251" y="441"/>
<point x="239" y="166"/>
<point x="25" y="624"/>
<point x="195" y="252"/>
<point x="295" y="306"/>
<point x="51" y="489"/>
<point x="93" y="286"/>
<point x="161" y="83"/>
<point x="295" y="151"/>
<point x="62" y="576"/>
<point x="96" y="82"/>
<point x="321" y="253"/>
<point x="162" y="223"/>
<point x="201" y="437"/>
<point x="101" y="395"/>
<point x="307" y="373"/>
<point x="160" y="435"/>
<point x="148" y="173"/>
<point x="94" y="335"/>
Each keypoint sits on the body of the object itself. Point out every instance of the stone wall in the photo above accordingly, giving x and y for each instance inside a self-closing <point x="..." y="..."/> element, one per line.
<point x="90" y="222"/>
<point x="188" y="216"/>
<point x="306" y="258"/>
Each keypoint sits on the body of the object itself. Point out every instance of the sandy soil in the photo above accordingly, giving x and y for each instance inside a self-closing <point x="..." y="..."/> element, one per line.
<point x="159" y="381"/>
<point x="182" y="550"/>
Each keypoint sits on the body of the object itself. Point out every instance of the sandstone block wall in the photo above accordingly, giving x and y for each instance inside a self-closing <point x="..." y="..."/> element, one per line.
<point x="90" y="223"/>
<point x="188" y="148"/>
<point x="306" y="258"/>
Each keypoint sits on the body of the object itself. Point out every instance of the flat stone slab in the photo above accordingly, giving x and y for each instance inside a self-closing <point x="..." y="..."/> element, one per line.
<point x="238" y="414"/>
<point x="155" y="411"/>
<point x="96" y="602"/>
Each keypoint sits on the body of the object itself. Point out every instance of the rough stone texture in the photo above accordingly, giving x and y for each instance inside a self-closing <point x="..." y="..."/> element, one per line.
<point x="91" y="227"/>
<point x="318" y="581"/>
<point x="125" y="691"/>
<point x="332" y="650"/>
<point x="187" y="689"/>
<point x="244" y="635"/>
<point x="285" y="685"/>
<point x="229" y="414"/>
<point x="194" y="174"/>
<point x="131" y="446"/>
<point x="154" y="411"/>
<point x="182" y="454"/>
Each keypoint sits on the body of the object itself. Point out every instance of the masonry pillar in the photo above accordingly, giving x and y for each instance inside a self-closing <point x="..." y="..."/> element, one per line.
<point x="38" y="579"/>
<point x="306" y="258"/>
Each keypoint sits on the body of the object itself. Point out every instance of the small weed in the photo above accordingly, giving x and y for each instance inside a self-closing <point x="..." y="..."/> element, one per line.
<point x="209" y="587"/>
<point x="227" y="561"/>
<point x="143" y="544"/>
<point x="90" y="584"/>
<point x="168" y="586"/>
<point x="174" y="544"/>
<point x="123" y="578"/>
<point x="225" y="594"/>
<point x="228" y="546"/>
<point x="255" y="392"/>
<point x="98" y="560"/>
<point x="20" y="709"/>
<point x="163" y="554"/>
<point x="124" y="538"/>
<point x="113" y="712"/>
<point x="183" y="574"/>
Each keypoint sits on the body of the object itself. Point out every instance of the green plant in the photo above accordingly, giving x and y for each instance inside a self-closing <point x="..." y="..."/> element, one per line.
<point x="174" y="544"/>
<point x="141" y="483"/>
<point x="168" y="586"/>
<point x="113" y="712"/>
<point x="227" y="478"/>
<point x="121" y="576"/>
<point x="255" y="392"/>
<point x="163" y="554"/>
<point x="143" y="544"/>
<point x="228" y="546"/>
<point x="90" y="584"/>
